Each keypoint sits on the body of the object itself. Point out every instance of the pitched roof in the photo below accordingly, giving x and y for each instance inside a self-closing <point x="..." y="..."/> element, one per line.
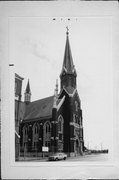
<point x="39" y="109"/>
<point x="68" y="65"/>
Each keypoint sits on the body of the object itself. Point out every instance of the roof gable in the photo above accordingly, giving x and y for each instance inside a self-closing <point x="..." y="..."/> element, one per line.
<point x="70" y="91"/>
<point x="60" y="103"/>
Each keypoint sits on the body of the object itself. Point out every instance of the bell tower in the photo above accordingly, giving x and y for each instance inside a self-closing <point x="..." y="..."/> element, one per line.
<point x="68" y="74"/>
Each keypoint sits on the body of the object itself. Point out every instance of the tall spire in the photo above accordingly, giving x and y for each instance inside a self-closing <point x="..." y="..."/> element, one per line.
<point x="28" y="88"/>
<point x="68" y="66"/>
<point x="68" y="73"/>
<point x="27" y="94"/>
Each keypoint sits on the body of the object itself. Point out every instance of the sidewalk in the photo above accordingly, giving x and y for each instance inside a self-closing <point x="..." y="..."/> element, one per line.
<point x="33" y="158"/>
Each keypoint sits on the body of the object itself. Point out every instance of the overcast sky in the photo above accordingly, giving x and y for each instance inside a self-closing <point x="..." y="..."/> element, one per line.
<point x="36" y="47"/>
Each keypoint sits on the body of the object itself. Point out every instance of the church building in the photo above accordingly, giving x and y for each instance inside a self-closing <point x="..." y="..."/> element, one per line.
<point x="54" y="122"/>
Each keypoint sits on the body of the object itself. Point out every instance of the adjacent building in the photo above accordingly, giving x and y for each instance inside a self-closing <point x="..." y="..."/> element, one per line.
<point x="19" y="112"/>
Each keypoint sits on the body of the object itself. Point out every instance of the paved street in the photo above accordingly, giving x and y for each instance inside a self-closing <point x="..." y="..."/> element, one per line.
<point x="92" y="157"/>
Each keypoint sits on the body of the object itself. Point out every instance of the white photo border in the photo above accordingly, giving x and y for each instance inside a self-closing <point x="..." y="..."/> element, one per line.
<point x="36" y="170"/>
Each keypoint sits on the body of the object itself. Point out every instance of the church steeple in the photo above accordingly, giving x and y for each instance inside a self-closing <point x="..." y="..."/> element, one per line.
<point x="68" y="73"/>
<point x="27" y="94"/>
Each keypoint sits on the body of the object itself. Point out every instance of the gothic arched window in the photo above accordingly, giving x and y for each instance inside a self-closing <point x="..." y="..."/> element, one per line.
<point x="60" y="132"/>
<point x="47" y="128"/>
<point x="47" y="134"/>
<point x="60" y="123"/>
<point x="35" y="132"/>
<point x="25" y="136"/>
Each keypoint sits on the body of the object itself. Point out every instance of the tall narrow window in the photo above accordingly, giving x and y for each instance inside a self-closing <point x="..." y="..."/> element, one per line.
<point x="47" y="134"/>
<point x="35" y="132"/>
<point x="25" y="137"/>
<point x="60" y="123"/>
<point x="60" y="132"/>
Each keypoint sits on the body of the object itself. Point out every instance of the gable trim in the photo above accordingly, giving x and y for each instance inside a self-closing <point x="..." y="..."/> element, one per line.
<point x="17" y="134"/>
<point x="61" y="102"/>
<point x="70" y="95"/>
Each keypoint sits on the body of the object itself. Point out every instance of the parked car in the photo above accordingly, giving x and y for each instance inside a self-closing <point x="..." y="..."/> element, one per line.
<point x="57" y="156"/>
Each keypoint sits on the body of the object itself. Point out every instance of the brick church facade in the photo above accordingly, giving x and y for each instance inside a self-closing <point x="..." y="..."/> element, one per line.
<point x="55" y="122"/>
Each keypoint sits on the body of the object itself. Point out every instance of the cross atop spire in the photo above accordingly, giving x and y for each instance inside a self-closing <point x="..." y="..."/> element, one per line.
<point x="67" y="30"/>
